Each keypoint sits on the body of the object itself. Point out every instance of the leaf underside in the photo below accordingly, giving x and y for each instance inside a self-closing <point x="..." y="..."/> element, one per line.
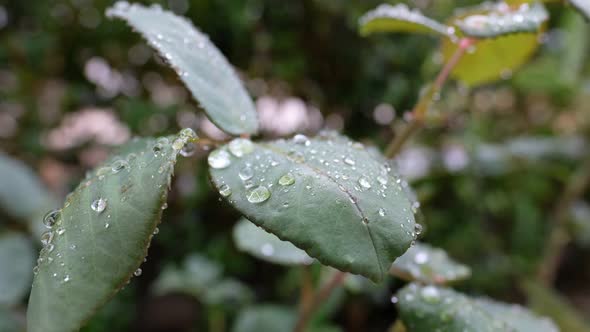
<point x="502" y="21"/>
<point x="490" y="59"/>
<point x="198" y="63"/>
<point x="399" y="18"/>
<point x="266" y="246"/>
<point x="431" y="308"/>
<point x="428" y="264"/>
<point x="95" y="251"/>
<point x="582" y="6"/>
<point x="343" y="207"/>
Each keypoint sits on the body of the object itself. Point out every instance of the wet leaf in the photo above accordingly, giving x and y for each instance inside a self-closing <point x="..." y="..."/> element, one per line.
<point x="582" y="6"/>
<point x="326" y="195"/>
<point x="100" y="237"/>
<point x="502" y="20"/>
<point x="490" y="59"/>
<point x="427" y="264"/>
<point x="17" y="258"/>
<point x="266" y="246"/>
<point x="399" y="18"/>
<point x="199" y="64"/>
<point x="428" y="308"/>
<point x="21" y="194"/>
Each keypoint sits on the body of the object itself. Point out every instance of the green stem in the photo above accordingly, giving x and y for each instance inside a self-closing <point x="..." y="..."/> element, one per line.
<point x="559" y="237"/>
<point x="421" y="108"/>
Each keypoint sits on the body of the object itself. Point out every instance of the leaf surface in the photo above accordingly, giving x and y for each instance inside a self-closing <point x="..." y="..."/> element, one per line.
<point x="266" y="246"/>
<point x="199" y="64"/>
<point x="326" y="195"/>
<point x="98" y="240"/>
<point x="399" y="18"/>
<point x="582" y="6"/>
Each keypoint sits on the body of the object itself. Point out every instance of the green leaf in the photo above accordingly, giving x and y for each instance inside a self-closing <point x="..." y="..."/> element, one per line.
<point x="504" y="21"/>
<point x="399" y="18"/>
<point x="199" y="64"/>
<point x="428" y="265"/>
<point x="326" y="195"/>
<point x="490" y="59"/>
<point x="17" y="258"/>
<point x="101" y="235"/>
<point x="430" y="308"/>
<point x="582" y="6"/>
<point x="229" y="293"/>
<point x="8" y="321"/>
<point x="194" y="277"/>
<point x="548" y="302"/>
<point x="266" y="246"/>
<point x="265" y="318"/>
<point x="21" y="194"/>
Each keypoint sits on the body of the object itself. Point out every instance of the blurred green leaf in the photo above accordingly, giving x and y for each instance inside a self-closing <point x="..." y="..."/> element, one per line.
<point x="100" y="237"/>
<point x="583" y="6"/>
<point x="326" y="195"/>
<point x="427" y="264"/>
<point x="266" y="246"/>
<point x="502" y="21"/>
<point x="546" y="301"/>
<point x="489" y="59"/>
<point x="21" y="194"/>
<point x="265" y="318"/>
<point x="428" y="308"/>
<point x="198" y="63"/>
<point x="17" y="258"/>
<point x="399" y="18"/>
<point x="8" y="322"/>
<point x="228" y="293"/>
<point x="194" y="277"/>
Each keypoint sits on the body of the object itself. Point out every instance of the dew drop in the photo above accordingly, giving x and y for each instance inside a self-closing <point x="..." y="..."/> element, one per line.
<point x="225" y="190"/>
<point x="156" y="231"/>
<point x="349" y="161"/>
<point x="382" y="180"/>
<point x="187" y="150"/>
<point x="46" y="238"/>
<point x="301" y="140"/>
<point x="189" y="134"/>
<point x="418" y="229"/>
<point x="119" y="165"/>
<point x="394" y="299"/>
<point x="137" y="272"/>
<point x="246" y="173"/>
<point x="287" y="180"/>
<point x="430" y="294"/>
<point x="60" y="231"/>
<point x="67" y="278"/>
<point x="240" y="147"/>
<point x="219" y="159"/>
<point x="51" y="218"/>
<point x="258" y="194"/>
<point x="99" y="205"/>
<point x="382" y="212"/>
<point x="364" y="183"/>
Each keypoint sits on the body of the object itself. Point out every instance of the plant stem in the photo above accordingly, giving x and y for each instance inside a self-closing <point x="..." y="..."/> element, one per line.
<point x="419" y="111"/>
<point x="559" y="237"/>
<point x="319" y="298"/>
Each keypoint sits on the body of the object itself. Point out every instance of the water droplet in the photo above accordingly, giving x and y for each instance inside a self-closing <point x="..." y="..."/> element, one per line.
<point x="99" y="205"/>
<point x="119" y="165"/>
<point x="51" y="218"/>
<point x="418" y="229"/>
<point x="258" y="194"/>
<point x="219" y="159"/>
<point x="430" y="294"/>
<point x="164" y="206"/>
<point x="60" y="231"/>
<point x="267" y="249"/>
<point x="287" y="180"/>
<point x="349" y="161"/>
<point x="382" y="212"/>
<point x="301" y="140"/>
<point x="394" y="299"/>
<point x="382" y="180"/>
<point x="46" y="238"/>
<point x="225" y="190"/>
<point x="364" y="183"/>
<point x="246" y="173"/>
<point x="240" y="147"/>
<point x="137" y="272"/>
<point x="296" y="156"/>
<point x="188" y="134"/>
<point x="156" y="231"/>
<point x="187" y="150"/>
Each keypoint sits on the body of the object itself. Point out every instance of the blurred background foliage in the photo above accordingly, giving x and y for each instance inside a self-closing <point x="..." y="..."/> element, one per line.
<point x="488" y="170"/>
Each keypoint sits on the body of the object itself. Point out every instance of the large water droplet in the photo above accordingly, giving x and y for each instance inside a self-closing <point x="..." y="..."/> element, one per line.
<point x="51" y="218"/>
<point x="418" y="229"/>
<point x="225" y="190"/>
<point x="46" y="238"/>
<point x="364" y="183"/>
<point x="188" y="134"/>
<point x="258" y="194"/>
<point x="240" y="147"/>
<point x="246" y="173"/>
<point x="287" y="180"/>
<point x="301" y="139"/>
<point x="119" y="165"/>
<point x="219" y="159"/>
<point x="187" y="150"/>
<point x="99" y="205"/>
